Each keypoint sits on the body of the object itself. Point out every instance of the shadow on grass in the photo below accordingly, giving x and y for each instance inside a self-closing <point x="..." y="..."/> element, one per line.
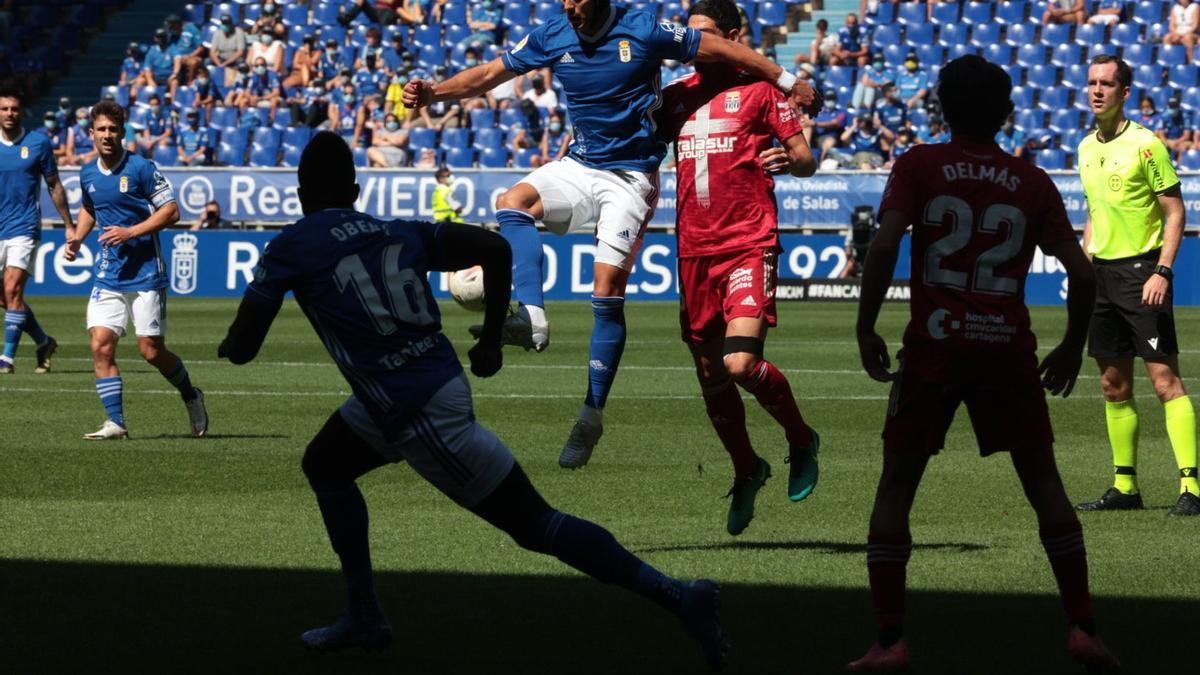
<point x="70" y="618"/>
<point x="160" y="437"/>
<point x="831" y="547"/>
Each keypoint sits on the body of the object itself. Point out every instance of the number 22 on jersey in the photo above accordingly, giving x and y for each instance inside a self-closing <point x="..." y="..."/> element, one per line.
<point x="963" y="224"/>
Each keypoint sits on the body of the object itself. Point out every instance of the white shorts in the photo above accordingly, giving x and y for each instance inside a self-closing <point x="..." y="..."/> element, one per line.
<point x="1104" y="19"/>
<point x="19" y="252"/>
<point x="444" y="444"/>
<point x="620" y="203"/>
<point x="113" y="309"/>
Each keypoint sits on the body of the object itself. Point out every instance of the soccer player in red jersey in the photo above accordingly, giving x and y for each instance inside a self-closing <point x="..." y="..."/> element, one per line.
<point x="726" y="123"/>
<point x="977" y="215"/>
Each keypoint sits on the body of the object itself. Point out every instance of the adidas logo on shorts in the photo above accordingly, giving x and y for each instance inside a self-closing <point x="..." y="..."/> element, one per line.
<point x="749" y="301"/>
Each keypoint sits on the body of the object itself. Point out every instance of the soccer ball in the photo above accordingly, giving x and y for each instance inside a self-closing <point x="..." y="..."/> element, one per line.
<point x="466" y="287"/>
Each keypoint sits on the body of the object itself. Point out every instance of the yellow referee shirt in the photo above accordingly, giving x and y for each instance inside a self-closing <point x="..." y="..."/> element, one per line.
<point x="1122" y="178"/>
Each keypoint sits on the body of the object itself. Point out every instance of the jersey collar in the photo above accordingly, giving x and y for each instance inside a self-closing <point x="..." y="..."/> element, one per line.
<point x="1124" y="128"/>
<point x="608" y="22"/>
<point x="12" y="143"/>
<point x="109" y="172"/>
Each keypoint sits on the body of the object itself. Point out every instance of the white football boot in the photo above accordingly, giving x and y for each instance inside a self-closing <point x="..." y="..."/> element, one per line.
<point x="520" y="331"/>
<point x="109" y="431"/>
<point x="198" y="415"/>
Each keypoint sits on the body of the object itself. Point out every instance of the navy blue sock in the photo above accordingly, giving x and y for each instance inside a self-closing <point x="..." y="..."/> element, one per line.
<point x="608" y="343"/>
<point x="518" y="229"/>
<point x="345" y="514"/>
<point x="178" y="377"/>
<point x="33" y="328"/>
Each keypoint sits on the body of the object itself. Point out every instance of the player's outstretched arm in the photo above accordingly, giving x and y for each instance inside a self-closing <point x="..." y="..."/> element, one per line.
<point x="460" y="246"/>
<point x="249" y="329"/>
<point x="1061" y="366"/>
<point x="714" y="49"/>
<point x="469" y="83"/>
<point x="878" y="270"/>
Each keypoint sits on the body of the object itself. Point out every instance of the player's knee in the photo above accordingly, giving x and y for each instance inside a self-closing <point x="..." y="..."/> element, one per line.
<point x="515" y="198"/>
<point x="1168" y="388"/>
<point x="150" y="351"/>
<point x="1115" y="388"/>
<point x="742" y="355"/>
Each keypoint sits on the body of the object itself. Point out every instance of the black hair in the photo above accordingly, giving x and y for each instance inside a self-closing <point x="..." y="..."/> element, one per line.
<point x="110" y="109"/>
<point x="1124" y="72"/>
<point x="326" y="173"/>
<point x="724" y="13"/>
<point x="976" y="96"/>
<point x="13" y="92"/>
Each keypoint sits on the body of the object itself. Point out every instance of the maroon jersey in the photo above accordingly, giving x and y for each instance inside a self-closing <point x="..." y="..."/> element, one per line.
<point x="977" y="213"/>
<point x="725" y="201"/>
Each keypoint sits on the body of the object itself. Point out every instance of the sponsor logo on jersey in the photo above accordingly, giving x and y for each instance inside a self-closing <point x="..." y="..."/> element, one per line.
<point x="733" y="101"/>
<point x="697" y="148"/>
<point x="24" y="152"/>
<point x="626" y="51"/>
<point x="124" y="184"/>
<point x="566" y="58"/>
<point x="679" y="31"/>
<point x="184" y="263"/>
<point x="742" y="277"/>
<point x="1115" y="183"/>
<point x="520" y="45"/>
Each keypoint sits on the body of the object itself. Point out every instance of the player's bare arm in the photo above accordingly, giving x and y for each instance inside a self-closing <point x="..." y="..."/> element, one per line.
<point x="460" y="246"/>
<point x="83" y="227"/>
<point x="58" y="195"/>
<point x="795" y="158"/>
<point x="715" y="49"/>
<point x="1154" y="291"/>
<point x="878" y="271"/>
<point x="163" y="217"/>
<point x="467" y="84"/>
<point x="1061" y="366"/>
<point x="1087" y="236"/>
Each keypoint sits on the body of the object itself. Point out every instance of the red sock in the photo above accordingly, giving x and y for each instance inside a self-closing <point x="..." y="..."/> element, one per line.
<point x="724" y="406"/>
<point x="1068" y="558"/>
<point x="887" y="562"/>
<point x="770" y="386"/>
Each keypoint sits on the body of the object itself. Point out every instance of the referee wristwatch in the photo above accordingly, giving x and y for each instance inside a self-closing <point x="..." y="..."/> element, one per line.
<point x="1164" y="272"/>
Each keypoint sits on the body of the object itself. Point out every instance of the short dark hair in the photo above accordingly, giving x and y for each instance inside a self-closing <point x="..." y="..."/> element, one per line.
<point x="976" y="96"/>
<point x="110" y="109"/>
<point x="326" y="165"/>
<point x="724" y="13"/>
<point x="1124" y="72"/>
<point x="13" y="92"/>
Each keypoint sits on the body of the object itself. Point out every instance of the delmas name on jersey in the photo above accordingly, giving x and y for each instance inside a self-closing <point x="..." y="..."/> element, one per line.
<point x="981" y="172"/>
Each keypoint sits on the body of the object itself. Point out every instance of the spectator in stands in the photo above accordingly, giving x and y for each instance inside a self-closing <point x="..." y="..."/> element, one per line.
<point x="470" y="58"/>
<point x="1065" y="11"/>
<point x="393" y="98"/>
<point x="269" y="50"/>
<point x="824" y="132"/>
<point x="870" y="83"/>
<point x="193" y="141"/>
<point x="934" y="132"/>
<point x="310" y="105"/>
<point x="520" y="139"/>
<point x="853" y="47"/>
<point x="64" y="114"/>
<point x="1176" y="127"/>
<point x="241" y="83"/>
<point x="807" y="73"/>
<point x="485" y="22"/>
<point x="371" y="80"/>
<point x="393" y="55"/>
<point x="157" y="130"/>
<point x="912" y="81"/>
<point x="1185" y="19"/>
<point x="263" y="90"/>
<point x="540" y="95"/>
<point x="890" y="112"/>
<point x="305" y="63"/>
<point x="159" y="65"/>
<point x="386" y="12"/>
<point x="211" y="219"/>
<point x="186" y="49"/>
<point x="348" y="116"/>
<point x="372" y="47"/>
<point x="866" y="144"/>
<point x="56" y="134"/>
<point x="555" y="141"/>
<point x="333" y="60"/>
<point x="1011" y="139"/>
<point x="822" y="46"/>
<point x="131" y="67"/>
<point x="902" y="144"/>
<point x="389" y="145"/>
<point x="427" y="159"/>
<point x="1148" y="114"/>
<point x="227" y="47"/>
<point x="1108" y="12"/>
<point x="80" y="148"/>
<point x="266" y="20"/>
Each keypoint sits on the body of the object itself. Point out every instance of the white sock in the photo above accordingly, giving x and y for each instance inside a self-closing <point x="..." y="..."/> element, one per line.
<point x="537" y="315"/>
<point x="593" y="416"/>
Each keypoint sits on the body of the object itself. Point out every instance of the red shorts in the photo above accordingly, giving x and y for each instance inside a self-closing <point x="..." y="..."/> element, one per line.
<point x="1003" y="394"/>
<point x="714" y="290"/>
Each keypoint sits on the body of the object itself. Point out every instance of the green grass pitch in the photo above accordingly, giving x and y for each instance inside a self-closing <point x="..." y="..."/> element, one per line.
<point x="166" y="554"/>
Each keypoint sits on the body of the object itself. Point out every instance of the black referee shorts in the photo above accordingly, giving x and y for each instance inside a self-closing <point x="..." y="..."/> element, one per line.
<point x="1121" y="326"/>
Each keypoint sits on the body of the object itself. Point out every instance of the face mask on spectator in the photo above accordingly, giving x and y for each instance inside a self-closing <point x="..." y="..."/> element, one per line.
<point x="1146" y="112"/>
<point x="227" y="27"/>
<point x="83" y="122"/>
<point x="471" y="63"/>
<point x="555" y="127"/>
<point x="260" y="70"/>
<point x="267" y="38"/>
<point x="154" y="108"/>
<point x="201" y="81"/>
<point x="268" y="9"/>
<point x="393" y="126"/>
<point x="50" y="124"/>
<point x="349" y="98"/>
<point x="911" y="66"/>
<point x="400" y="80"/>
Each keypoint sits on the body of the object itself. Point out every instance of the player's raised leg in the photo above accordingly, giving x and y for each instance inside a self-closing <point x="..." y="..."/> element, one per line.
<point x="1062" y="538"/>
<point x="108" y="381"/>
<point x="517" y="211"/>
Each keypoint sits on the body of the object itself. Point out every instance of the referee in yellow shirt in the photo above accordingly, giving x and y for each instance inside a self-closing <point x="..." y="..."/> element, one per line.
<point x="1134" y="228"/>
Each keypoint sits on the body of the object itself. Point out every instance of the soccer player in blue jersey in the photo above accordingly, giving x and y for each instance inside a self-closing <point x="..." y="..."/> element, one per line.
<point x="25" y="160"/>
<point x="609" y="60"/>
<point x="131" y="201"/>
<point x="362" y="282"/>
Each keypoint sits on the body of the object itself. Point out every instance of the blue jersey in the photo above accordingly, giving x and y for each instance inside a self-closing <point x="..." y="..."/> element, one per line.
<point x="899" y="149"/>
<point x="1009" y="143"/>
<point x="131" y="68"/>
<point x="611" y="82"/>
<point x="892" y="115"/>
<point x="82" y="139"/>
<point x="23" y="163"/>
<point x="1175" y="122"/>
<point x="160" y="63"/>
<point x="851" y="38"/>
<point x="123" y="197"/>
<point x="362" y="282"/>
<point x="191" y="139"/>
<point x="910" y="83"/>
<point x="926" y="135"/>
<point x="370" y="83"/>
<point x="866" y="141"/>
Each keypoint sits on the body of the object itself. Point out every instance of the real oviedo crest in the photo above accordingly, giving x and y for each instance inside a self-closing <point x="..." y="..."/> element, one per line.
<point x="24" y="152"/>
<point x="124" y="184"/>
<point x="626" y="51"/>
<point x="184" y="260"/>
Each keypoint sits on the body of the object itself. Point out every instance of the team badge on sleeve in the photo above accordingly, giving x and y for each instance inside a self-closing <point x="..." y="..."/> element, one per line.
<point x="626" y="51"/>
<point x="520" y="45"/>
<point x="733" y="101"/>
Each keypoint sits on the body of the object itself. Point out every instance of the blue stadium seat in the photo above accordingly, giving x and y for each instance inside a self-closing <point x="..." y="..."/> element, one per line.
<point x="494" y="158"/>
<point x="841" y="76"/>
<point x="886" y="35"/>
<point x="231" y="154"/>
<point x="944" y="13"/>
<point x="1056" y="34"/>
<point x="1126" y="34"/>
<point x="360" y="157"/>
<point x="193" y="13"/>
<point x="454" y="14"/>
<point x="953" y="34"/>
<point x="1055" y="99"/>
<point x="460" y="158"/>
<point x="1015" y="73"/>
<point x="1090" y="34"/>
<point x="919" y="33"/>
<point x="977" y="13"/>
<point x="433" y="55"/>
<point x="185" y="96"/>
<point x="516" y="13"/>
<point x="332" y="32"/>
<point x="120" y="94"/>
<point x="934" y="53"/>
<point x="1149" y="12"/>
<point x="1191" y="99"/>
<point x="1138" y="54"/>
<point x="223" y="117"/>
<point x="998" y="53"/>
<point x="960" y="50"/>
<point x="1071" y="138"/>
<point x="264" y="156"/>
<point x="457" y="33"/>
<point x="482" y="118"/>
<point x="165" y="155"/>
<point x="509" y="117"/>
<point x="1052" y="158"/>
<point x="1075" y="76"/>
<point x="1042" y="76"/>
<point x="295" y="15"/>
<point x="326" y="13"/>
<point x="137" y="117"/>
<point x="1066" y="54"/>
<point x="489" y="139"/>
<point x="1160" y="95"/>
<point x="427" y="35"/>
<point x="214" y="137"/>
<point x="144" y="94"/>
<point x="1172" y="55"/>
<point x="1011" y="13"/>
<point x="291" y="156"/>
<point x="1031" y="55"/>
<point x="548" y="10"/>
<point x="297" y="137"/>
<point x="267" y="136"/>
<point x="1191" y="160"/>
<point x="1183" y="76"/>
<point x="423" y="137"/>
<point x="1061" y="120"/>
<point x="250" y="13"/>
<point x="509" y="139"/>
<point x="1030" y="118"/>
<point x="1022" y="97"/>
<point x="1021" y="34"/>
<point x="911" y="13"/>
<point x="772" y="14"/>
<point x="985" y="34"/>
<point x="1106" y="48"/>
<point x="456" y="138"/>
<point x="893" y="55"/>
<point x="524" y="158"/>
<point x="1148" y="75"/>
<point x="517" y="33"/>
